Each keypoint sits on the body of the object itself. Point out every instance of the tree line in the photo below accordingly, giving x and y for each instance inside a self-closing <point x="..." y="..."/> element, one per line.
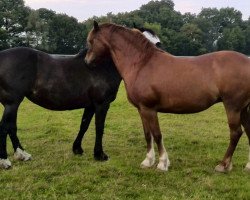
<point x="181" y="34"/>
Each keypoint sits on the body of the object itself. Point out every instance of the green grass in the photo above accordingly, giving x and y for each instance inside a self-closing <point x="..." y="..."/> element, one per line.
<point x="195" y="144"/>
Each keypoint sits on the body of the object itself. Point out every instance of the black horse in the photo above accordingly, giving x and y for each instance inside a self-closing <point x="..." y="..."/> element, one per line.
<point x="56" y="83"/>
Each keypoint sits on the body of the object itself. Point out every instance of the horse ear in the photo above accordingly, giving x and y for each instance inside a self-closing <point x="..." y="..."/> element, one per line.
<point x="134" y="25"/>
<point x="96" y="26"/>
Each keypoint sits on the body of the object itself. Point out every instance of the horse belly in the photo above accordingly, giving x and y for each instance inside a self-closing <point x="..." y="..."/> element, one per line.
<point x="184" y="105"/>
<point x="59" y="98"/>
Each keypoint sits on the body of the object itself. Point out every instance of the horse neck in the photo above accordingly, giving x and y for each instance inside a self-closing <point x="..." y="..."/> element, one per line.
<point x="128" y="57"/>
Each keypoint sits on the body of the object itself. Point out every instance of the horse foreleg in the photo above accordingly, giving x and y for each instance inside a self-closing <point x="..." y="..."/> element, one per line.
<point x="100" y="116"/>
<point x="149" y="161"/>
<point x="235" y="134"/>
<point x="152" y="128"/>
<point x="86" y="119"/>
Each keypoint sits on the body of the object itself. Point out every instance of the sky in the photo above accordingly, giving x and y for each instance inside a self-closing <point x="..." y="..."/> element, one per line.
<point x="84" y="9"/>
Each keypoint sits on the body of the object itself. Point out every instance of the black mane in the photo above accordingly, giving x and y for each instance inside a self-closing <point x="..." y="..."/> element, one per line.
<point x="143" y="29"/>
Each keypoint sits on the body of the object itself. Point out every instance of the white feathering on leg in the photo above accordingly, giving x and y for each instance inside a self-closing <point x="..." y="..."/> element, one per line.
<point x="5" y="163"/>
<point x="150" y="157"/>
<point x="22" y="155"/>
<point x="164" y="162"/>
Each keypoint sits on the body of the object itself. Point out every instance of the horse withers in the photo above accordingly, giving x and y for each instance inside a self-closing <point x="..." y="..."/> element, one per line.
<point x="57" y="83"/>
<point x="157" y="81"/>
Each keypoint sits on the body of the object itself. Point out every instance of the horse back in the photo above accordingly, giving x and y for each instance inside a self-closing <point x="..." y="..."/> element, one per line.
<point x="192" y="84"/>
<point x="19" y="58"/>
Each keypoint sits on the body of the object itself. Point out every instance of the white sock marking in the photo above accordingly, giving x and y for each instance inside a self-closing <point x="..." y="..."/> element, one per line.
<point x="22" y="155"/>
<point x="150" y="157"/>
<point x="164" y="162"/>
<point x="5" y="163"/>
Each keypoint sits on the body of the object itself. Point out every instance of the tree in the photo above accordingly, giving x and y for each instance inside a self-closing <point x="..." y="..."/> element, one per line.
<point x="66" y="35"/>
<point x="168" y="39"/>
<point x="232" y="39"/>
<point x="3" y="39"/>
<point x="37" y="29"/>
<point x="13" y="19"/>
<point x="161" y="12"/>
<point x="34" y="30"/>
<point x="247" y="39"/>
<point x="188" y="18"/>
<point x="245" y="27"/>
<point x="186" y="34"/>
<point x="229" y="18"/>
<point x="189" y="41"/>
<point x="212" y="22"/>
<point x="153" y="26"/>
<point x="208" y="22"/>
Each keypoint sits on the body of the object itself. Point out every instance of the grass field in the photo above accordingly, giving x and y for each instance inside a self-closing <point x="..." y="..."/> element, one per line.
<point x="195" y="144"/>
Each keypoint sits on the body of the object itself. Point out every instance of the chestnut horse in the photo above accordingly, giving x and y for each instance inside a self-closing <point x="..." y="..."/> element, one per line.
<point x="157" y="81"/>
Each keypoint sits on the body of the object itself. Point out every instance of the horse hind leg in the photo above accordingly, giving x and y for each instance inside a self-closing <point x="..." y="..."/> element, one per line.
<point x="234" y="123"/>
<point x="10" y="117"/>
<point x="8" y="126"/>
<point x="4" y="161"/>
<point x="245" y="121"/>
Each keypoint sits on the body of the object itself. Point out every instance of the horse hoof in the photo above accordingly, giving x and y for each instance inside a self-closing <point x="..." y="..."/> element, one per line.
<point x="222" y="169"/>
<point x="162" y="166"/>
<point x="147" y="163"/>
<point x="101" y="157"/>
<point x="247" y="168"/>
<point x="22" y="155"/>
<point x="5" y="163"/>
<point x="78" y="151"/>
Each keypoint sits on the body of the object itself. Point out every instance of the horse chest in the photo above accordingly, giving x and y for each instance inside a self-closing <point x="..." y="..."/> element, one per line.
<point x="144" y="95"/>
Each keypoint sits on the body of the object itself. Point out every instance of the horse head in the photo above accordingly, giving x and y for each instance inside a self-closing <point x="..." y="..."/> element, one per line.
<point x="96" y="44"/>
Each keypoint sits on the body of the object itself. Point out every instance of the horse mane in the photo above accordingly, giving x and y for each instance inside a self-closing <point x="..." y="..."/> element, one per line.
<point x="133" y="37"/>
<point x="142" y="29"/>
